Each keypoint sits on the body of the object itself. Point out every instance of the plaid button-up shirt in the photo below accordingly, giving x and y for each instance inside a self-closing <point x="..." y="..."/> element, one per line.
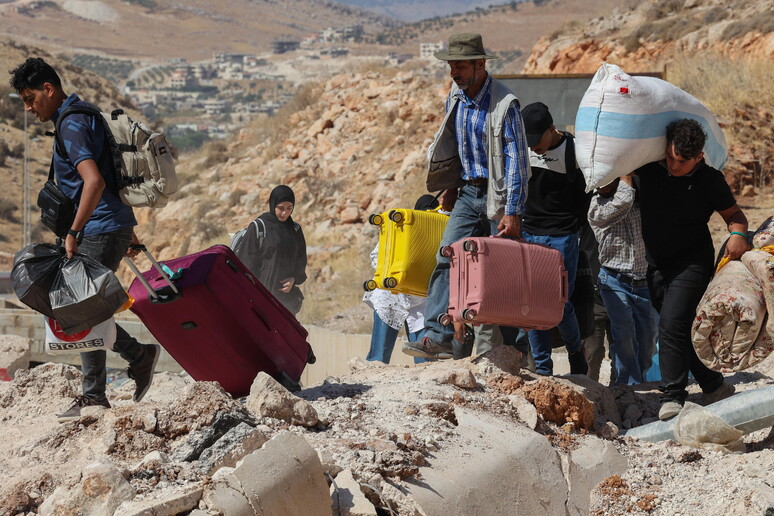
<point x="616" y="224"/>
<point x="470" y="131"/>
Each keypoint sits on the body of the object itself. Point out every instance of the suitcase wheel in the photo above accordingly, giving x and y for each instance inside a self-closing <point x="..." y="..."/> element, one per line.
<point x="468" y="314"/>
<point x="376" y="220"/>
<point x="396" y="216"/>
<point x="445" y="319"/>
<point x="447" y="251"/>
<point x="369" y="285"/>
<point x="311" y="359"/>
<point x="390" y="282"/>
<point x="470" y="246"/>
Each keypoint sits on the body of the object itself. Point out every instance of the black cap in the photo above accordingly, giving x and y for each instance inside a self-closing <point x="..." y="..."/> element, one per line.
<point x="537" y="120"/>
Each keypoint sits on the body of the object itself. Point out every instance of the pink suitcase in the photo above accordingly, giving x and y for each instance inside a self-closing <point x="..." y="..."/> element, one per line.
<point x="505" y="282"/>
<point x="221" y="325"/>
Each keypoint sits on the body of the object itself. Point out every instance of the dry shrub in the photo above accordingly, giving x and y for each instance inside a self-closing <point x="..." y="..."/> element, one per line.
<point x="724" y="83"/>
<point x="763" y="23"/>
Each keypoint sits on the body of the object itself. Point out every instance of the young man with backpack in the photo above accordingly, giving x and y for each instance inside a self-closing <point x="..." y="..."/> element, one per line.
<point x="554" y="212"/>
<point x="103" y="227"/>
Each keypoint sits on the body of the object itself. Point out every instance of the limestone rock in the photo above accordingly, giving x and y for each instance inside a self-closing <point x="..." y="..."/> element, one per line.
<point x="270" y="399"/>
<point x="460" y="377"/>
<point x="101" y="491"/>
<point x="235" y="444"/>
<point x="348" y="499"/>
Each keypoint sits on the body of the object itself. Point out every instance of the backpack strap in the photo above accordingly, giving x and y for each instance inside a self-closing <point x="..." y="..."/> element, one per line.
<point x="569" y="152"/>
<point x="111" y="147"/>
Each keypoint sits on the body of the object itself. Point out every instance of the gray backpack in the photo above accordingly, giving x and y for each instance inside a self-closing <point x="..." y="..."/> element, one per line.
<point x="142" y="162"/>
<point x="237" y="239"/>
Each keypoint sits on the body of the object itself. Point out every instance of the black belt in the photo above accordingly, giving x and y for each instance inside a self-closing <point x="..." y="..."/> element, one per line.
<point x="625" y="278"/>
<point x="478" y="181"/>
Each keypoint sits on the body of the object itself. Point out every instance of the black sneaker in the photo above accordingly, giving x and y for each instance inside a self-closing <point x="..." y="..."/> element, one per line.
<point x="142" y="371"/>
<point x="74" y="412"/>
<point x="428" y="348"/>
<point x="578" y="364"/>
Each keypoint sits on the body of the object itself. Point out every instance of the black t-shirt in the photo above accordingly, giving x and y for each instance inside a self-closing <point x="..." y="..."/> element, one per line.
<point x="675" y="212"/>
<point x="557" y="201"/>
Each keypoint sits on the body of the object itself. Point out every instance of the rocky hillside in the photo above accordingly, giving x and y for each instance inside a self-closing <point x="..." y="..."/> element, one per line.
<point x="157" y="29"/>
<point x="646" y="36"/>
<point x="718" y="50"/>
<point x="352" y="146"/>
<point x="89" y="86"/>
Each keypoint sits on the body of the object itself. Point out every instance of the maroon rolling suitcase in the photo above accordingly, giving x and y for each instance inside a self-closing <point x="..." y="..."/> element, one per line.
<point x="218" y="322"/>
<point x="505" y="282"/>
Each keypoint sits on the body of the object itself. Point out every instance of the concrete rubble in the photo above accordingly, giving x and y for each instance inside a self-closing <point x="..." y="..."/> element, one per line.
<point x="476" y="436"/>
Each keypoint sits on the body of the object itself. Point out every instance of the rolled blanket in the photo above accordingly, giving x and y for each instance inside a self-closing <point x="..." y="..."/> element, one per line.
<point x="728" y="330"/>
<point x="761" y="264"/>
<point x="764" y="235"/>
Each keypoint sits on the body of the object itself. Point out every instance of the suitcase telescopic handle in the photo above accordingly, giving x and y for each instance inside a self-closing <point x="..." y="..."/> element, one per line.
<point x="151" y="291"/>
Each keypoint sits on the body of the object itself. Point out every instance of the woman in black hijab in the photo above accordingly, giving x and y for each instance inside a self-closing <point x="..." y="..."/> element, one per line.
<point x="276" y="251"/>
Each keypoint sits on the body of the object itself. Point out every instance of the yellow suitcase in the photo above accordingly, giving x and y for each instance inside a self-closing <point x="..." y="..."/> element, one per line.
<point x="408" y="241"/>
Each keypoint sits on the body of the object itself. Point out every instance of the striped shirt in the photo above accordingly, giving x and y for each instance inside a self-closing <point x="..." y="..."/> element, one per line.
<point x="471" y="134"/>
<point x="616" y="224"/>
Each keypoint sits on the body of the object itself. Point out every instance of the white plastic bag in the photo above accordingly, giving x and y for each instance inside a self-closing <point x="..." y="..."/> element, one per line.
<point x="621" y="124"/>
<point x="101" y="336"/>
<point x="699" y="427"/>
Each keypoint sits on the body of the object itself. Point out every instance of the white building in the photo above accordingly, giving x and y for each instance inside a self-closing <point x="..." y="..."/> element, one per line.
<point x="426" y="50"/>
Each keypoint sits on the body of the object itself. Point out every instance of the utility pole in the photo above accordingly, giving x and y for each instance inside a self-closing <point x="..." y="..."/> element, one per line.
<point x="26" y="220"/>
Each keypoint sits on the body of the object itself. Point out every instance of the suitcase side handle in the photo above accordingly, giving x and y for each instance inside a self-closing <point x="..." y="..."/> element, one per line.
<point x="565" y="286"/>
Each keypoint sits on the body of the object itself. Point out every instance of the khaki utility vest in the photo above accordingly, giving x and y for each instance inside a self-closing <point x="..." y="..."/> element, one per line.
<point x="443" y="150"/>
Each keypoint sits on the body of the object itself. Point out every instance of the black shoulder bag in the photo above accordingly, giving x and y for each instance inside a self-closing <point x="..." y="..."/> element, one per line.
<point x="57" y="211"/>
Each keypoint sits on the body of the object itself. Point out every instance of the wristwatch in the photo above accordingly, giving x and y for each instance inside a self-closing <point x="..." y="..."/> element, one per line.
<point x="78" y="235"/>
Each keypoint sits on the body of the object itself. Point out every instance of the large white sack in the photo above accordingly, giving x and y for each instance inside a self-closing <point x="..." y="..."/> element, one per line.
<point x="621" y="124"/>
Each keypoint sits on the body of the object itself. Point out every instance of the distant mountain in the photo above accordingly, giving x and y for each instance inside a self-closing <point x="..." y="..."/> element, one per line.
<point x="412" y="11"/>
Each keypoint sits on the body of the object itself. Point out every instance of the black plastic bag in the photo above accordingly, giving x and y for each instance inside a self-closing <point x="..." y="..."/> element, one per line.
<point x="84" y="293"/>
<point x="34" y="270"/>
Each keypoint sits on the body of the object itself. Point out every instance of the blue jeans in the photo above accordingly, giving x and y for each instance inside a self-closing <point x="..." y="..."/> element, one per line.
<point x="634" y="326"/>
<point x="465" y="221"/>
<point x="540" y="340"/>
<point x="107" y="249"/>
<point x="383" y="337"/>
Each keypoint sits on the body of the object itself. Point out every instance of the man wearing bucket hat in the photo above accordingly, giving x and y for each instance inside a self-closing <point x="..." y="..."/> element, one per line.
<point x="479" y="157"/>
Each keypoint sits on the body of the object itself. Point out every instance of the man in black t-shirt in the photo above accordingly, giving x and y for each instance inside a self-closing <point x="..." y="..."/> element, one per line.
<point x="677" y="198"/>
<point x="554" y="212"/>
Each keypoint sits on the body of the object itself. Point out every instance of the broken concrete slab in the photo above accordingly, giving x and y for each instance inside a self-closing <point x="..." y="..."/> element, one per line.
<point x="270" y="399"/>
<point x="593" y="461"/>
<point x="235" y="444"/>
<point x="285" y="477"/>
<point x="348" y="499"/>
<point x="469" y="474"/>
<point x="179" y="502"/>
<point x="14" y="355"/>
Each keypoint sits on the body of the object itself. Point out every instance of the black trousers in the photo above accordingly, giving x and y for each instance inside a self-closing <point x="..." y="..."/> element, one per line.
<point x="675" y="292"/>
